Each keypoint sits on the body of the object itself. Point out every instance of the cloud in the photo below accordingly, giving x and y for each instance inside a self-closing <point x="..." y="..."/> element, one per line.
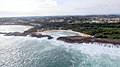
<point x="85" y="7"/>
<point x="58" y="7"/>
<point x="16" y="5"/>
<point x="25" y="5"/>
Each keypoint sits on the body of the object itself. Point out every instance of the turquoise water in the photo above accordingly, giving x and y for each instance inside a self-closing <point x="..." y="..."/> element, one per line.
<point x="35" y="52"/>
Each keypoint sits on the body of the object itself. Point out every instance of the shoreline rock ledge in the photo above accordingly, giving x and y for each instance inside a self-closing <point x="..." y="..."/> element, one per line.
<point x="32" y="34"/>
<point x="80" y="39"/>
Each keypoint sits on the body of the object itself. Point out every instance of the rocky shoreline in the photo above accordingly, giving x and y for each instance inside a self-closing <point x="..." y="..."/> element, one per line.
<point x="32" y="34"/>
<point x="84" y="38"/>
<point x="79" y="39"/>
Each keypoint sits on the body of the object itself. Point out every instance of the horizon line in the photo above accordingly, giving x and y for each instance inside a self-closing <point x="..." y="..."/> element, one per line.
<point x="52" y="15"/>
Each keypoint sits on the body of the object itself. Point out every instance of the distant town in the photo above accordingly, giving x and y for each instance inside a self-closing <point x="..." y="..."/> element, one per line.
<point x="38" y="20"/>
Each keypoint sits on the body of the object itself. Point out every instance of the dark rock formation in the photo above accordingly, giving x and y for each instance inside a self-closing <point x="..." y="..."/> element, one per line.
<point x="32" y="34"/>
<point x="40" y="36"/>
<point x="79" y="39"/>
<point x="15" y="34"/>
<point x="32" y="30"/>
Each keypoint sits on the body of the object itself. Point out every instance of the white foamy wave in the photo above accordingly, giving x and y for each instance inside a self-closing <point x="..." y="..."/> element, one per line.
<point x="94" y="49"/>
<point x="29" y="49"/>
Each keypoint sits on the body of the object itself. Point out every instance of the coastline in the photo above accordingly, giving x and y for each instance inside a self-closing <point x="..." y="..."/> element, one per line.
<point x="82" y="37"/>
<point x="85" y="37"/>
<point x="81" y="34"/>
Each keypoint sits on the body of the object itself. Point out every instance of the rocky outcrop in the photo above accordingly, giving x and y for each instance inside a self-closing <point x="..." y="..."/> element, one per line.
<point x="32" y="34"/>
<point x="40" y="36"/>
<point x="79" y="39"/>
<point x="15" y="34"/>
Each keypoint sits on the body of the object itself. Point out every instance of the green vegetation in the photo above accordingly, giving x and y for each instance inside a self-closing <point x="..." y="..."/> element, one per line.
<point x="99" y="30"/>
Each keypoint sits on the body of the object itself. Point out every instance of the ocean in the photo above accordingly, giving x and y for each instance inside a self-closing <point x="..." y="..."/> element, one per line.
<point x="19" y="51"/>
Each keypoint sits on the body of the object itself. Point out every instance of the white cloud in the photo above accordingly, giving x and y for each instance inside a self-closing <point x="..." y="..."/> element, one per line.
<point x="58" y="7"/>
<point x="25" y="5"/>
<point x="16" y="6"/>
<point x="85" y="7"/>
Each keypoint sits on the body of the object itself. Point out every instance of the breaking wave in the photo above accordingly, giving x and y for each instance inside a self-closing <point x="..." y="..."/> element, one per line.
<point x="18" y="51"/>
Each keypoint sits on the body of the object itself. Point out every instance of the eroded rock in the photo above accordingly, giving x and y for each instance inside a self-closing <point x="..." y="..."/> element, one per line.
<point x="79" y="39"/>
<point x="32" y="34"/>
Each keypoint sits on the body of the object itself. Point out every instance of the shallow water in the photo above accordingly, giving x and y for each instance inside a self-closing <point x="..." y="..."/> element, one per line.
<point x="35" y="52"/>
<point x="59" y="33"/>
<point x="14" y="28"/>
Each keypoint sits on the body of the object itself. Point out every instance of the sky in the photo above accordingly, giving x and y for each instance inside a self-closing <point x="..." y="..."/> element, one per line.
<point x="12" y="8"/>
